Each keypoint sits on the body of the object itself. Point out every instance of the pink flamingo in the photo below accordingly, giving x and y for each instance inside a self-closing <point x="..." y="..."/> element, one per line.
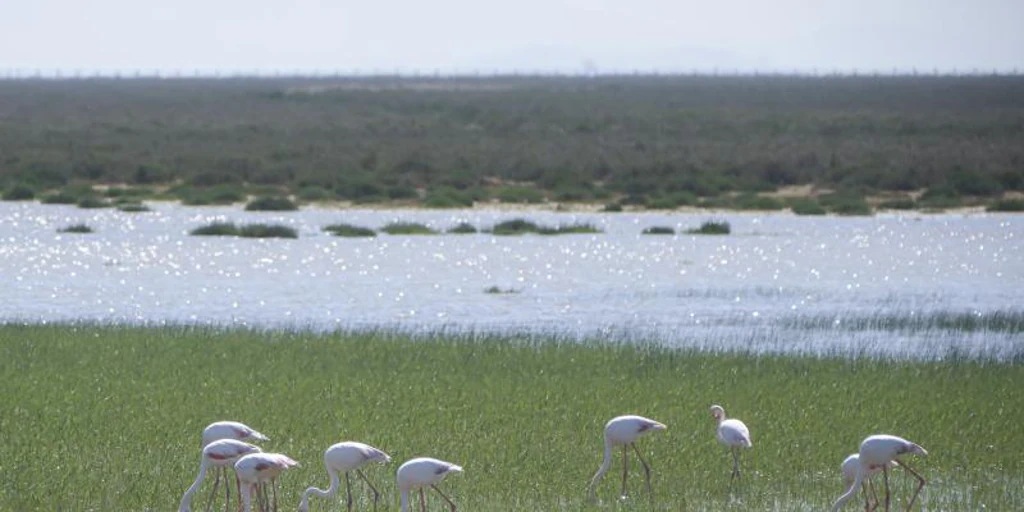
<point x="624" y="431"/>
<point x="227" y="430"/>
<point x="849" y="469"/>
<point x="732" y="433"/>
<point x="255" y="470"/>
<point x="422" y="472"/>
<point x="877" y="452"/>
<point x="219" y="455"/>
<point x="343" y="458"/>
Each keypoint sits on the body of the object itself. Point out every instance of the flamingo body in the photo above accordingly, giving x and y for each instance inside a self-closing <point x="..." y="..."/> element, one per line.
<point x="423" y="472"/>
<point x="218" y="454"/>
<point x="231" y="430"/>
<point x="732" y="433"/>
<point x="256" y="469"/>
<point x="339" y="459"/>
<point x="878" y="452"/>
<point x="624" y="431"/>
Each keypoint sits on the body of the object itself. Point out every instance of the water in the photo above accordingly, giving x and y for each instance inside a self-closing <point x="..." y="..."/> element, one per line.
<point x="751" y="290"/>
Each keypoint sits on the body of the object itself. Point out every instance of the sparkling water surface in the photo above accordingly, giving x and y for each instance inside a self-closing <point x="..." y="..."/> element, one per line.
<point x="758" y="288"/>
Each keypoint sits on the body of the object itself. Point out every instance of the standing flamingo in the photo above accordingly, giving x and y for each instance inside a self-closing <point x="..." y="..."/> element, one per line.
<point x="218" y="454"/>
<point x="230" y="430"/>
<point x="255" y="470"/>
<point x="227" y="430"/>
<point x="849" y="469"/>
<point x="732" y="433"/>
<point x="877" y="452"/>
<point x="421" y="472"/>
<point x="343" y="458"/>
<point x="624" y="431"/>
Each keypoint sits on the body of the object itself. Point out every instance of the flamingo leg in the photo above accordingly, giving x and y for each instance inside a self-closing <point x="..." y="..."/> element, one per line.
<point x="867" y="502"/>
<point x="869" y="486"/>
<point x="245" y="498"/>
<point x="885" y="473"/>
<point x="735" y="462"/>
<point x="213" y="492"/>
<point x="348" y="490"/>
<point x="273" y="486"/>
<point x="452" y="505"/>
<point x="647" y="469"/>
<point x="376" y="495"/>
<point x="423" y="501"/>
<point x="920" y="483"/>
<point x="625" y="468"/>
<point x="227" y="491"/>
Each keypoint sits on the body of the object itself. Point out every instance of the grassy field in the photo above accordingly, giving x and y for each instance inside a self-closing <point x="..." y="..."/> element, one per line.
<point x="108" y="418"/>
<point x="655" y="141"/>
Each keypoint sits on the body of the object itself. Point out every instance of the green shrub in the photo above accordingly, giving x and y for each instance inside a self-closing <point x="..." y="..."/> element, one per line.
<point x="612" y="207"/>
<point x="494" y="290"/>
<point x="222" y="194"/>
<point x="515" y="227"/>
<point x="659" y="230"/>
<point x="711" y="227"/>
<point x="463" y="228"/>
<point x="804" y="206"/>
<point x="570" y="229"/>
<point x="267" y="231"/>
<point x="757" y="202"/>
<point x="271" y="204"/>
<point x="348" y="230"/>
<point x="59" y="198"/>
<point x="93" y="202"/>
<point x="519" y="194"/>
<point x="133" y="207"/>
<point x="216" y="229"/>
<point x="314" y="193"/>
<point x="447" y="197"/>
<point x="75" y="228"/>
<point x="1006" y="205"/>
<point x="846" y="203"/>
<point x="407" y="228"/>
<point x="903" y="203"/>
<point x="19" y="192"/>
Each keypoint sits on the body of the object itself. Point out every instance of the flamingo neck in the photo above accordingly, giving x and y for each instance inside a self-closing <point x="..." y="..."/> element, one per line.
<point x="186" y="500"/>
<point x="605" y="464"/>
<point x="320" y="493"/>
<point x="852" y="490"/>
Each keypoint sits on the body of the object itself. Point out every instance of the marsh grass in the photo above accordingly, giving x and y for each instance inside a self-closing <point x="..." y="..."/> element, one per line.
<point x="133" y="207"/>
<point x="523" y="227"/>
<point x="76" y="228"/>
<point x="463" y="228"/>
<point x="246" y="231"/>
<point x="407" y="228"/>
<point x="271" y="204"/>
<point x="659" y="230"/>
<point x="349" y="230"/>
<point x="93" y="202"/>
<point x="711" y="227"/>
<point x="1006" y="205"/>
<point x="108" y="418"/>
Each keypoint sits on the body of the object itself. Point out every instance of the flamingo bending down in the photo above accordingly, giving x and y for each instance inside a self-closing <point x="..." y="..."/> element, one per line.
<point x="422" y="472"/>
<point x="254" y="470"/>
<point x="219" y="455"/>
<point x="624" y="431"/>
<point x="732" y="433"/>
<point x="227" y="430"/>
<point x="849" y="468"/>
<point x="343" y="458"/>
<point x="877" y="452"/>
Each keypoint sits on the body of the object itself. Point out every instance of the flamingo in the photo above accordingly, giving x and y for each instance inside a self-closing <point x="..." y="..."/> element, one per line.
<point x="227" y="430"/>
<point x="732" y="433"/>
<point x="422" y="472"/>
<point x="343" y="458"/>
<point x="624" y="431"/>
<point x="220" y="455"/>
<point x="849" y="468"/>
<point x="878" y="451"/>
<point x="255" y="469"/>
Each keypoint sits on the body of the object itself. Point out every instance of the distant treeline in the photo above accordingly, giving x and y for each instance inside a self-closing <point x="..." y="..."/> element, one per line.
<point x="655" y="140"/>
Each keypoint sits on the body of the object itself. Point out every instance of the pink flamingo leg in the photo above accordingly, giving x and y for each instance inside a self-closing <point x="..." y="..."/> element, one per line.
<point x="452" y="505"/>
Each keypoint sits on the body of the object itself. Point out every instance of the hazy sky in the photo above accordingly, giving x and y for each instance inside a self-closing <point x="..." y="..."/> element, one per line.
<point x="466" y="35"/>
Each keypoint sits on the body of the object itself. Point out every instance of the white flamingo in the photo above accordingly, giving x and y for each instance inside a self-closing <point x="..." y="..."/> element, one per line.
<point x="732" y="433"/>
<point x="877" y="452"/>
<point x="849" y="469"/>
<point x="255" y="470"/>
<point x="219" y="455"/>
<point x="624" y="431"/>
<point x="343" y="458"/>
<point x="227" y="430"/>
<point x="422" y="472"/>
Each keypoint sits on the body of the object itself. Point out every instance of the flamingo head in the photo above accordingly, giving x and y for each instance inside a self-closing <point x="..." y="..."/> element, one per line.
<point x="717" y="412"/>
<point x="916" y="448"/>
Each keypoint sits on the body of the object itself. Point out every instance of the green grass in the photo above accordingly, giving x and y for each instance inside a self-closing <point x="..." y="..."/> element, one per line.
<point x="102" y="418"/>
<point x="711" y="227"/>
<point x="349" y="230"/>
<point x="76" y="228"/>
<point x="407" y="228"/>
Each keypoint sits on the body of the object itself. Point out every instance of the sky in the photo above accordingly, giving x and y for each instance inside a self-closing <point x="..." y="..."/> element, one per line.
<point x="466" y="36"/>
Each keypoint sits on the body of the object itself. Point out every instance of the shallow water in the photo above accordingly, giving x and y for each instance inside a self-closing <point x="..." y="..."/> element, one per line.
<point x="756" y="289"/>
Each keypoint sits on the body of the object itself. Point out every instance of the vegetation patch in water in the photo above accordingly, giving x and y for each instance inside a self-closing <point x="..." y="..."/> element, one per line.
<point x="407" y="228"/>
<point x="349" y="230"/>
<point x="271" y="204"/>
<point x="133" y="207"/>
<point x="76" y="228"/>
<point x="711" y="227"/>
<point x="463" y="228"/>
<point x="659" y="230"/>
